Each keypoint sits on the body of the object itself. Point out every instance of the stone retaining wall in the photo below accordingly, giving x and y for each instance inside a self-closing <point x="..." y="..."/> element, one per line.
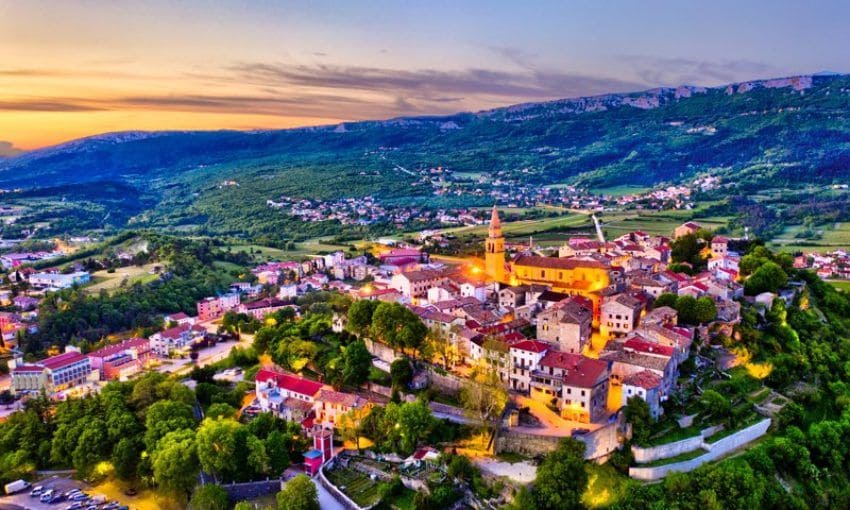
<point x="525" y="444"/>
<point x="665" y="451"/>
<point x="715" y="451"/>
<point x="380" y="350"/>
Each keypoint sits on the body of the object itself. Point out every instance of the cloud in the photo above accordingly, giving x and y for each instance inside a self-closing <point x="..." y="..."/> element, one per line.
<point x="7" y="150"/>
<point x="671" y="71"/>
<point x="48" y="105"/>
<point x="430" y="83"/>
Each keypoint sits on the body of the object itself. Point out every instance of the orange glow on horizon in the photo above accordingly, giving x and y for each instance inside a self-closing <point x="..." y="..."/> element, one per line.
<point x="34" y="130"/>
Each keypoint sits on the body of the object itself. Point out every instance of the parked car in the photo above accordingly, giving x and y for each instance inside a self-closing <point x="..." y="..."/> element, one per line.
<point x="46" y="495"/>
<point x="36" y="491"/>
<point x="580" y="432"/>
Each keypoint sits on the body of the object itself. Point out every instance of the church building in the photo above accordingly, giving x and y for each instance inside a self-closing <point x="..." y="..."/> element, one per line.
<point x="581" y="276"/>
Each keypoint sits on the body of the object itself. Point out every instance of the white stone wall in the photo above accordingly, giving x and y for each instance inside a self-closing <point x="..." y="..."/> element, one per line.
<point x="715" y="451"/>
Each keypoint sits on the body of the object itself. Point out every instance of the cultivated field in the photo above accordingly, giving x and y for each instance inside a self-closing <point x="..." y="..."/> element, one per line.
<point x="122" y="277"/>
<point x="831" y="237"/>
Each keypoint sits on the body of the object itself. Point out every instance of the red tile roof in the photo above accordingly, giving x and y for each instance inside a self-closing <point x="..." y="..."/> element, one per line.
<point x="644" y="379"/>
<point x="636" y="344"/>
<point x="531" y="346"/>
<point x="587" y="374"/>
<point x="289" y="382"/>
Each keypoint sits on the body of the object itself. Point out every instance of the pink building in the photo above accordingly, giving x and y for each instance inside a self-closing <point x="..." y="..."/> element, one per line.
<point x="121" y="360"/>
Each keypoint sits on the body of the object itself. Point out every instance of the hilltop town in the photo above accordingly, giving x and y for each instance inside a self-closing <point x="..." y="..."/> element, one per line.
<point x="609" y="342"/>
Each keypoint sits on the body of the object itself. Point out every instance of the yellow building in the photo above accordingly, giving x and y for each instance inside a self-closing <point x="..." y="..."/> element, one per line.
<point x="570" y="275"/>
<point x="494" y="249"/>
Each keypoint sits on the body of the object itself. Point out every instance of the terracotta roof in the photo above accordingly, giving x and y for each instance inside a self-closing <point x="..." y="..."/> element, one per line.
<point x="531" y="346"/>
<point x="638" y="344"/>
<point x="616" y="353"/>
<point x="563" y="360"/>
<point x="298" y="404"/>
<point x="644" y="379"/>
<point x="338" y="397"/>
<point x="289" y="382"/>
<point x="558" y="263"/>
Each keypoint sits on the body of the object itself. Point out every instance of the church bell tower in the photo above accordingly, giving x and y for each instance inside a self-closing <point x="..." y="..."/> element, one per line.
<point x="494" y="249"/>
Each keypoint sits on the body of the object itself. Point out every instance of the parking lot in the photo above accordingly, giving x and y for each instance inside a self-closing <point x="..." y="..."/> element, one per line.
<point x="58" y="483"/>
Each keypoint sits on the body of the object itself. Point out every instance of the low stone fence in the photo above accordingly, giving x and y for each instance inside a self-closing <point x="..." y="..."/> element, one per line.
<point x="715" y="451"/>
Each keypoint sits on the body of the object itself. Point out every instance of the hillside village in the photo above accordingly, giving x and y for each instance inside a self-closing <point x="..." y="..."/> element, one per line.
<point x="571" y="340"/>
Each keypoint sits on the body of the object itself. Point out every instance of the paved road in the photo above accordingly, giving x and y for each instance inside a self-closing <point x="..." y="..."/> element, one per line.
<point x="326" y="499"/>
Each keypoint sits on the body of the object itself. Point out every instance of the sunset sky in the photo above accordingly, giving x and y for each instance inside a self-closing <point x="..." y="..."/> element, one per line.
<point x="75" y="68"/>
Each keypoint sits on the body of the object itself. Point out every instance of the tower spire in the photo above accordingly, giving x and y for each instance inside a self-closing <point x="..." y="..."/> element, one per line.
<point x="495" y="229"/>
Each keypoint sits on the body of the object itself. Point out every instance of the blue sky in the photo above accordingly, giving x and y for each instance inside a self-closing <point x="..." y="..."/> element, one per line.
<point x="73" y="68"/>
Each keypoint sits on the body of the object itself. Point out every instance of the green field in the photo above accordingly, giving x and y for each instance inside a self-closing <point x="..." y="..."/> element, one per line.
<point x="525" y="227"/>
<point x="619" y="191"/>
<point x="840" y="284"/>
<point x="122" y="277"/>
<point x="658" y="223"/>
<point x="831" y="237"/>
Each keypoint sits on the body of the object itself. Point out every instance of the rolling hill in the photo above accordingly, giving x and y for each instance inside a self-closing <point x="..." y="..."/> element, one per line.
<point x="780" y="131"/>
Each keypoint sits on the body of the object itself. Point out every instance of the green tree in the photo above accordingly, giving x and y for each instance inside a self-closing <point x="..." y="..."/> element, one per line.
<point x="401" y="373"/>
<point x="705" y="310"/>
<point x="278" y="451"/>
<point x="523" y="500"/>
<point x="483" y="395"/>
<point x="666" y="299"/>
<point x="92" y="445"/>
<point x="220" y="410"/>
<point x="209" y="497"/>
<point x="360" y="316"/>
<point x="298" y="494"/>
<point x="768" y="278"/>
<point x="398" y="327"/>
<point x="715" y="404"/>
<point x="258" y="457"/>
<point x="125" y="457"/>
<point x="637" y="413"/>
<point x="166" y="416"/>
<point x="218" y="447"/>
<point x="561" y="477"/>
<point x="175" y="461"/>
<point x="356" y="363"/>
<point x="686" y="309"/>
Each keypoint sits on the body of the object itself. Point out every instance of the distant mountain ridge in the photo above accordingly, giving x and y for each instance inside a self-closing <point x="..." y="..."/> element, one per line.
<point x="781" y="130"/>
